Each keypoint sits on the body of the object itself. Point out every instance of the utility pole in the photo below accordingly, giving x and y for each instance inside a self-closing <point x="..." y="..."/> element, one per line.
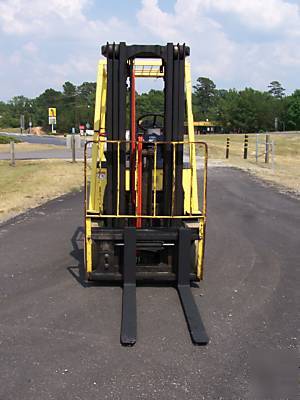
<point x="22" y="122"/>
<point x="30" y="118"/>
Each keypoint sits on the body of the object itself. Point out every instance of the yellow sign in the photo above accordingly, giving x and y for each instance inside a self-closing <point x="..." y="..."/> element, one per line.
<point x="52" y="112"/>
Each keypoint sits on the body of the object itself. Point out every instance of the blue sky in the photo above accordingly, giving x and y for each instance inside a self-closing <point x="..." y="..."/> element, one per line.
<point x="236" y="43"/>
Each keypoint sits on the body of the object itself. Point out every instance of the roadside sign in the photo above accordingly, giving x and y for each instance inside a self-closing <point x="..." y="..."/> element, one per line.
<point x="52" y="112"/>
<point x="52" y="118"/>
<point x="81" y="128"/>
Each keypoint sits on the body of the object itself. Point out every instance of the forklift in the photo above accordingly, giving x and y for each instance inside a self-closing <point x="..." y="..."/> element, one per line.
<point x="145" y="192"/>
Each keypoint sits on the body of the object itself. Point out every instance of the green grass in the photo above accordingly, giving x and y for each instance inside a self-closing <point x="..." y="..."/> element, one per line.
<point x="7" y="139"/>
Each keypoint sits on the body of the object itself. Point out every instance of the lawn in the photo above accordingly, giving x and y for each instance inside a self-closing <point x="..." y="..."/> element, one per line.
<point x="10" y="130"/>
<point x="31" y="183"/>
<point x="4" y="139"/>
<point x="285" y="171"/>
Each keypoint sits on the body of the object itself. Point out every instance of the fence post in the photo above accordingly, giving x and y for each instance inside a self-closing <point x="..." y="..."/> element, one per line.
<point x="227" y="147"/>
<point x="273" y="153"/>
<point x="246" y="147"/>
<point x="73" y="148"/>
<point x="12" y="154"/>
<point x="256" y="148"/>
<point x="267" y="149"/>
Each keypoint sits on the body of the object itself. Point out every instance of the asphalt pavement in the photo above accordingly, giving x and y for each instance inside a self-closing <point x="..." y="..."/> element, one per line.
<point x="46" y="139"/>
<point x="58" y="153"/>
<point x="64" y="154"/>
<point x="59" y="339"/>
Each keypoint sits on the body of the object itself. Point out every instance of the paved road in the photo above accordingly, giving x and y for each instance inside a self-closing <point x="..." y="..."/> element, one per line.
<point x="43" y="154"/>
<point x="63" y="153"/>
<point x="60" y="339"/>
<point x="59" y="141"/>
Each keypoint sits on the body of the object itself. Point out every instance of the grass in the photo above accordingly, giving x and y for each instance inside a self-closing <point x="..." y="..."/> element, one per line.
<point x="31" y="183"/>
<point x="7" y="139"/>
<point x="10" y="130"/>
<point x="26" y="147"/>
<point x="284" y="172"/>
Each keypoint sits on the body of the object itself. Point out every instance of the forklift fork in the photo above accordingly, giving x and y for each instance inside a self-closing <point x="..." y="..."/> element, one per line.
<point x="128" y="327"/>
<point x="129" y="314"/>
<point x="191" y="312"/>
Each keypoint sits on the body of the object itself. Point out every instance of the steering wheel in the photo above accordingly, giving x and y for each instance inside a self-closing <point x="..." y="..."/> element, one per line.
<point x="150" y="121"/>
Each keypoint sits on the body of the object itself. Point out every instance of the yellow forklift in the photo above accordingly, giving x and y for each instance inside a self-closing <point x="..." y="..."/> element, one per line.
<point x="145" y="187"/>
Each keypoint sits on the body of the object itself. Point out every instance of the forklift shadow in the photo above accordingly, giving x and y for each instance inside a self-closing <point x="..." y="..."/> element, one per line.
<point x="77" y="252"/>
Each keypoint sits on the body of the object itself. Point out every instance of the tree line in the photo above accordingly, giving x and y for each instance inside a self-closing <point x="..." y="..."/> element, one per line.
<point x="247" y="110"/>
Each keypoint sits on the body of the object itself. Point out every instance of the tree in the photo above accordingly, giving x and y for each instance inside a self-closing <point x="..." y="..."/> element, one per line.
<point x="293" y="111"/>
<point x="69" y="89"/>
<point x="149" y="103"/>
<point x="276" y="89"/>
<point x="204" y="96"/>
<point x="248" y="110"/>
<point x="49" y="98"/>
<point x="87" y="90"/>
<point x="85" y="101"/>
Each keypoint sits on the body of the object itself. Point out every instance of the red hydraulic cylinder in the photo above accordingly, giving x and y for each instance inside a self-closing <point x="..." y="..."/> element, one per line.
<point x="132" y="137"/>
<point x="139" y="182"/>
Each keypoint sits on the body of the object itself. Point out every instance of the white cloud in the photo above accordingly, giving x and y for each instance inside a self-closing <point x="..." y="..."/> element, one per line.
<point x="260" y="14"/>
<point x="29" y="16"/>
<point x="30" y="48"/>
<point x="59" y="43"/>
<point x="218" y="53"/>
<point x="235" y="42"/>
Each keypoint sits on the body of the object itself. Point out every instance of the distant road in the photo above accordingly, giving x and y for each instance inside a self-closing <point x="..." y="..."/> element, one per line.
<point x="44" y="154"/>
<point x="58" y="141"/>
<point x="62" y="153"/>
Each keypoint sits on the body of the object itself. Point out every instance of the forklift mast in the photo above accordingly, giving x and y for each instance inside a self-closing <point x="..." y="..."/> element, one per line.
<point x="143" y="220"/>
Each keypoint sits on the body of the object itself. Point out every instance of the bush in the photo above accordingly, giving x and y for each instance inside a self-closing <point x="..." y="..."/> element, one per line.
<point x="7" y="139"/>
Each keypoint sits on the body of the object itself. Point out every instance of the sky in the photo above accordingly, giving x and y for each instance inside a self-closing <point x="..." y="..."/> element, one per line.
<point x="236" y="43"/>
